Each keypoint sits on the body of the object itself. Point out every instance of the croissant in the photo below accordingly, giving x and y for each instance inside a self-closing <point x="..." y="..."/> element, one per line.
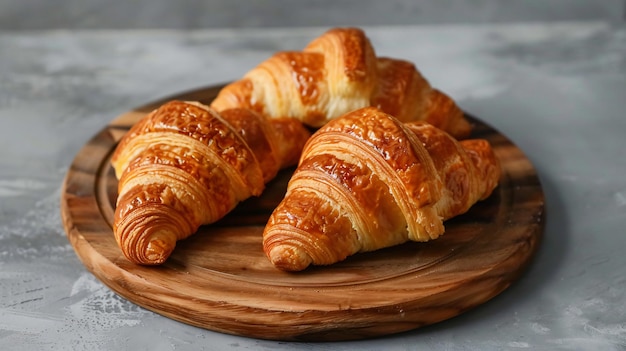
<point x="366" y="181"/>
<point x="336" y="73"/>
<point x="185" y="165"/>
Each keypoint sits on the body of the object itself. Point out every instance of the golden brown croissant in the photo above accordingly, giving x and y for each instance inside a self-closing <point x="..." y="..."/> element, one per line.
<point x="368" y="181"/>
<point x="185" y="165"/>
<point x="336" y="73"/>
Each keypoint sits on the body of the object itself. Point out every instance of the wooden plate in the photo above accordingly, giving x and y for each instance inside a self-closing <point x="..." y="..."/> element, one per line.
<point x="220" y="279"/>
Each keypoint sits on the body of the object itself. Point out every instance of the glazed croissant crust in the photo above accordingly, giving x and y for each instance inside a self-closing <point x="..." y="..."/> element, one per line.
<point x="366" y="181"/>
<point x="185" y="165"/>
<point x="336" y="73"/>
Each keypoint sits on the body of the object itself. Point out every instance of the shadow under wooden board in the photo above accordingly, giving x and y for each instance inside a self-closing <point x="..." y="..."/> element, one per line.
<point x="220" y="279"/>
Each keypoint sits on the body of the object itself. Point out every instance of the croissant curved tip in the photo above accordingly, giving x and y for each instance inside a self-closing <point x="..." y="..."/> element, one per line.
<point x="289" y="258"/>
<point x="156" y="252"/>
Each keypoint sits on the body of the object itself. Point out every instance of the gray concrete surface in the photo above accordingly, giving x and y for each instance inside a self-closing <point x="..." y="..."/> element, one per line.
<point x="186" y="14"/>
<point x="556" y="89"/>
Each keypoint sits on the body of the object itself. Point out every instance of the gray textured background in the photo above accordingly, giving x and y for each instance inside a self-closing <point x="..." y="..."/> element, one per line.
<point x="99" y="14"/>
<point x="68" y="67"/>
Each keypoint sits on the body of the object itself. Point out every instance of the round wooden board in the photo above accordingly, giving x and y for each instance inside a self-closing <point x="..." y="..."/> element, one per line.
<point x="220" y="279"/>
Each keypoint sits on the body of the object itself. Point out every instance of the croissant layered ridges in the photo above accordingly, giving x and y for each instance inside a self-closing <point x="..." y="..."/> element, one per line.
<point x="364" y="172"/>
<point x="405" y="94"/>
<point x="185" y="165"/>
<point x="334" y="74"/>
<point x="368" y="181"/>
<point x="195" y="133"/>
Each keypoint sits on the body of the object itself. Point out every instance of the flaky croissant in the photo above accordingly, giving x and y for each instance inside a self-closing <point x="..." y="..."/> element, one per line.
<point x="336" y="73"/>
<point x="366" y="181"/>
<point x="184" y="165"/>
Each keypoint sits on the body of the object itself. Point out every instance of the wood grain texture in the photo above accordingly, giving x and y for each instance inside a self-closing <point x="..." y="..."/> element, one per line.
<point x="220" y="279"/>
